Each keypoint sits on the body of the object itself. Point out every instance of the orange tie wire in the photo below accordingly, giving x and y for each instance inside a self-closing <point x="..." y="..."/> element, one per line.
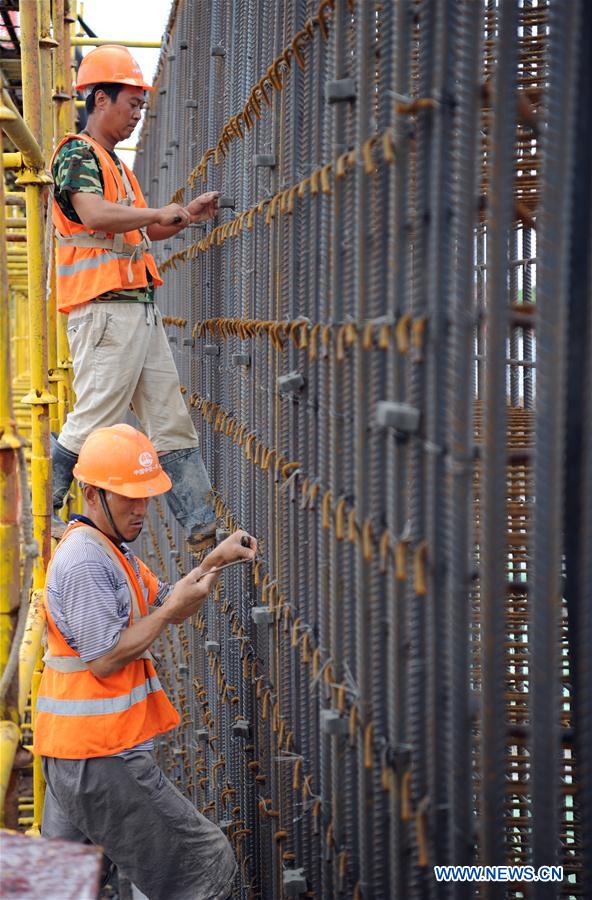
<point x="320" y="17"/>
<point x="296" y="775"/>
<point x="324" y="175"/>
<point x="281" y="731"/>
<point x="369" y="746"/>
<point x="340" y="698"/>
<point x="418" y="332"/>
<point x="305" y="648"/>
<point x="314" y="182"/>
<point x="316" y="662"/>
<point x="357" y="894"/>
<point x="280" y="836"/>
<point x="302" y="185"/>
<point x="388" y="146"/>
<point x="314" y="492"/>
<point x="419" y="569"/>
<point x="368" y="336"/>
<point x="326" y="509"/>
<point x="326" y="335"/>
<point x="295" y="627"/>
<point x="265" y="704"/>
<point x="353" y="722"/>
<point x="406" y="812"/>
<point x="367" y="541"/>
<point x="298" y="39"/>
<point x="384" y="337"/>
<point x="366" y="155"/>
<point x="341" y="165"/>
<point x="353" y="530"/>
<point x="343" y="858"/>
<point x="340" y="344"/>
<point x="257" y="571"/>
<point x="384" y="549"/>
<point x="273" y="592"/>
<point x="312" y="349"/>
<point x="275" y="717"/>
<point x="402" y="333"/>
<point x="246" y="667"/>
<point x="290" y="467"/>
<point x="340" y="519"/>
<point x="421" y="832"/>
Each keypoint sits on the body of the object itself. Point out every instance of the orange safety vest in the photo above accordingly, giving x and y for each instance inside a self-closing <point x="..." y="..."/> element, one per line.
<point x="90" y="263"/>
<point x="79" y="715"/>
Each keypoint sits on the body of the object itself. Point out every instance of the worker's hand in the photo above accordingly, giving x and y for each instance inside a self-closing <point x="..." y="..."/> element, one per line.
<point x="188" y="595"/>
<point x="203" y="207"/>
<point x="173" y="214"/>
<point x="229" y="551"/>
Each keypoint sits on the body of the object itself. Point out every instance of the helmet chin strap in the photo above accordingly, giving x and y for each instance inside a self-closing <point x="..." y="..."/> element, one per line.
<point x="107" y="512"/>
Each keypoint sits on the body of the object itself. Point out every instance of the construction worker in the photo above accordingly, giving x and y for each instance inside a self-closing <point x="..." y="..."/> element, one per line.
<point x="100" y="702"/>
<point x="105" y="283"/>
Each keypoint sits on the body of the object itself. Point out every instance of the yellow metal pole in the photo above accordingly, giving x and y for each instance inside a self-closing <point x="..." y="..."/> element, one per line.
<point x="39" y="398"/>
<point x="29" y="649"/>
<point x="47" y="51"/>
<point x="12" y="160"/>
<point x="65" y="113"/>
<point x="99" y="42"/>
<point x="10" y="736"/>
<point x="9" y="444"/>
<point x="9" y="532"/>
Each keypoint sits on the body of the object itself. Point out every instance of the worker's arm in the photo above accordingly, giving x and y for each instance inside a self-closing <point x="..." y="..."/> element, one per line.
<point x="99" y="214"/>
<point x="185" y="599"/>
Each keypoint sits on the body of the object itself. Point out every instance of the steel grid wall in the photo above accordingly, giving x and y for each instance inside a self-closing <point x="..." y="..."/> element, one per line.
<point x="382" y="382"/>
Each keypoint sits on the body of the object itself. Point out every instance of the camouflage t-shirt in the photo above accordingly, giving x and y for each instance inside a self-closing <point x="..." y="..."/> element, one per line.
<point x="77" y="168"/>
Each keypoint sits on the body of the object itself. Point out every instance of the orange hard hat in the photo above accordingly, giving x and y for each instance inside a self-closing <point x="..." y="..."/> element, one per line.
<point x="121" y="459"/>
<point x="110" y="63"/>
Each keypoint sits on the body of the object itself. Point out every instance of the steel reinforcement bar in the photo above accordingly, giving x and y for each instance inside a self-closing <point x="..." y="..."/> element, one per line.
<point x="375" y="340"/>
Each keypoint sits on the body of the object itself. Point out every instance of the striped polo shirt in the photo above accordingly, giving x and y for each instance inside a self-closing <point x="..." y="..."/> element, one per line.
<point x="89" y="599"/>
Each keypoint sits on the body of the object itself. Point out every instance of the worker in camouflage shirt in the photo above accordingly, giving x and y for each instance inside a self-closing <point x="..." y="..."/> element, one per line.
<point x="106" y="280"/>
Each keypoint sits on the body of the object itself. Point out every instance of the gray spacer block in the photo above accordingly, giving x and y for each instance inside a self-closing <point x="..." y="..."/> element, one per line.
<point x="191" y="104"/>
<point x="188" y="342"/>
<point x="401" y="416"/>
<point x="172" y="338"/>
<point x="241" y="359"/>
<point x="332" y="722"/>
<point x="183" y="669"/>
<point x="203" y="735"/>
<point x="291" y="383"/>
<point x="262" y="615"/>
<point x="212" y="646"/>
<point x="212" y="350"/>
<point x="340" y="90"/>
<point x="218" y="50"/>
<point x="294" y="882"/>
<point x="240" y="729"/>
<point x="226" y="203"/>
<point x="177" y="751"/>
<point x="262" y="160"/>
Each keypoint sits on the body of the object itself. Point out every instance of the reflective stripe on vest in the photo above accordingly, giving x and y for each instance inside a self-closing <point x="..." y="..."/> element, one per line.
<point x="101" y="706"/>
<point x="93" y="262"/>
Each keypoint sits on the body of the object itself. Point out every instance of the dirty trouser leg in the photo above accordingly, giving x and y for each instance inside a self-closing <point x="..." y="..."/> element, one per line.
<point x="109" y="343"/>
<point x="152" y="833"/>
<point x="159" y="404"/>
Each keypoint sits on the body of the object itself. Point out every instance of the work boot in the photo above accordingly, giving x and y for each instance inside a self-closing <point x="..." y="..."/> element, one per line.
<point x="62" y="464"/>
<point x="188" y="497"/>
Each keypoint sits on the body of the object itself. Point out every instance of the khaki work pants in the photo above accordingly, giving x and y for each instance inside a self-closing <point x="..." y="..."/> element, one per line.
<point x="121" y="358"/>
